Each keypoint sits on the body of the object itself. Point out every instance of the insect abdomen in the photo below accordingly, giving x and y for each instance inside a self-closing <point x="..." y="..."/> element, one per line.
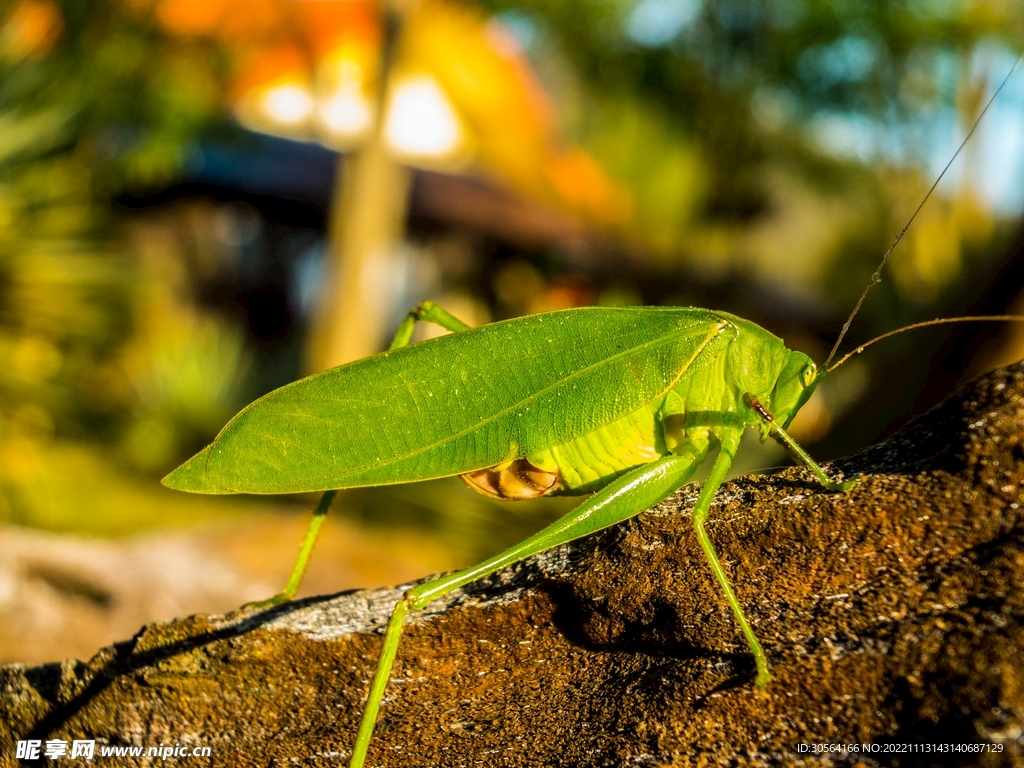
<point x="579" y="466"/>
<point x="517" y="480"/>
<point x="590" y="461"/>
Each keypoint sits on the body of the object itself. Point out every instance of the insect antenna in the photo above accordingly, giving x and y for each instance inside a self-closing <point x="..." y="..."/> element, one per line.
<point x="876" y="277"/>
<point x="925" y="324"/>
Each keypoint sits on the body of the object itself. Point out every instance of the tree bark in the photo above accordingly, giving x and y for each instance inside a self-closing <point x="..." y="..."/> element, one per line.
<point x="892" y="615"/>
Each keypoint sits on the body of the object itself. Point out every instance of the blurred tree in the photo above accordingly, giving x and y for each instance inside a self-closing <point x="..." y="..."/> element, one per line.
<point x="434" y="85"/>
<point x="802" y="83"/>
<point x="770" y="151"/>
<point x="94" y="99"/>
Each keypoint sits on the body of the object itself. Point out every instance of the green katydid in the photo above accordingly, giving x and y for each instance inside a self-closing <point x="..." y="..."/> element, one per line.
<point x="623" y="402"/>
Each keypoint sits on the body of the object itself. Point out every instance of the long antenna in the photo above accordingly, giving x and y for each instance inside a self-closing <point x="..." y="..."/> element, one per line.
<point x="925" y="324"/>
<point x="877" y="276"/>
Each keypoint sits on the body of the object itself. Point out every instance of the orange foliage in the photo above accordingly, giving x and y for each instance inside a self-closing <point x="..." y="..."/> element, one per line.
<point x="580" y="182"/>
<point x="515" y="127"/>
<point x="275" y="40"/>
<point x="31" y="29"/>
<point x="270" y="65"/>
<point x="512" y="124"/>
<point x="227" y="20"/>
<point x="328" y="24"/>
<point x="316" y="24"/>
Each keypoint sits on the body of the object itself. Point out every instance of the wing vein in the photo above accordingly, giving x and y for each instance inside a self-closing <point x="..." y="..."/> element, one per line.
<point x="647" y="346"/>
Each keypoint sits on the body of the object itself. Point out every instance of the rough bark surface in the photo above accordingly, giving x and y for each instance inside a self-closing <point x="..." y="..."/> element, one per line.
<point x="891" y="615"/>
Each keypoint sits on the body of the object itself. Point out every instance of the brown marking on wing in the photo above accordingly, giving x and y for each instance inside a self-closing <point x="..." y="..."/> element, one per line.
<point x="634" y="368"/>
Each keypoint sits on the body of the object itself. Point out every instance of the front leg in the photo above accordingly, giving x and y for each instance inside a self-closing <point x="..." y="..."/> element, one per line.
<point x="305" y="552"/>
<point x="794" y="448"/>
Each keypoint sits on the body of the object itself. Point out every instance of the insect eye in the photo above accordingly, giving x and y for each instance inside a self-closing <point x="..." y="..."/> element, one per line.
<point x="808" y="374"/>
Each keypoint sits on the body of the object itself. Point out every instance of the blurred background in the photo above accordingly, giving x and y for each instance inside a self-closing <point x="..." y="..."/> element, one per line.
<point x="202" y="200"/>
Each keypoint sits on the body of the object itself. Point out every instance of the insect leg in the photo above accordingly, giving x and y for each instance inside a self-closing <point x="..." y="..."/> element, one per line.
<point x="723" y="461"/>
<point x="305" y="550"/>
<point x="794" y="448"/>
<point x="428" y="312"/>
<point x="625" y="497"/>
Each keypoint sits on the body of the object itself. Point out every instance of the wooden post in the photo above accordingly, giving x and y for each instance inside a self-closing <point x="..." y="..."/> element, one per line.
<point x="365" y="228"/>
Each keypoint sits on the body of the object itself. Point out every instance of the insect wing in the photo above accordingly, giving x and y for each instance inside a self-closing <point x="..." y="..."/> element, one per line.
<point x="454" y="404"/>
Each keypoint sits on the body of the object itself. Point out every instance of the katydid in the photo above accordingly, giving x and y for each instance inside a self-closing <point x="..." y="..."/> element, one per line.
<point x="627" y="402"/>
<point x="622" y="402"/>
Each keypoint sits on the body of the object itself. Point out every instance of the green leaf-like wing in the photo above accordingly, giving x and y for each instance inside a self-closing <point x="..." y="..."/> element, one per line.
<point x="455" y="404"/>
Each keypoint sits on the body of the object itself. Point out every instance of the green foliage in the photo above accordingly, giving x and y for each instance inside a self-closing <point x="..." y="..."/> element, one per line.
<point x="97" y="350"/>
